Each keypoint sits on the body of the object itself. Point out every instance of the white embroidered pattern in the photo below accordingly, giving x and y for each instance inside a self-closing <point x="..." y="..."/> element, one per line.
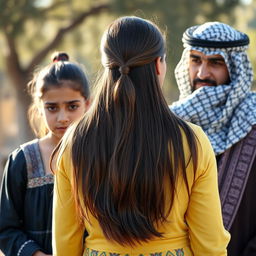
<point x="21" y="248"/>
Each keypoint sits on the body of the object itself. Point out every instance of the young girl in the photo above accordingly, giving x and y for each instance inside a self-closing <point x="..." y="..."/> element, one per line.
<point x="141" y="180"/>
<point x="60" y="93"/>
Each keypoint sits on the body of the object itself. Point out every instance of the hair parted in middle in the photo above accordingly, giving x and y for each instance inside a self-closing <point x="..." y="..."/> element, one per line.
<point x="52" y="76"/>
<point x="129" y="142"/>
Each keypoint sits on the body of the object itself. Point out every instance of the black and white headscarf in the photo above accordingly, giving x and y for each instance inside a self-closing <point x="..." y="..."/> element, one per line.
<point x="225" y="112"/>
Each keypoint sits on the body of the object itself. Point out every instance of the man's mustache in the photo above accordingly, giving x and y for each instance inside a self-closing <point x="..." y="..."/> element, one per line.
<point x="206" y="81"/>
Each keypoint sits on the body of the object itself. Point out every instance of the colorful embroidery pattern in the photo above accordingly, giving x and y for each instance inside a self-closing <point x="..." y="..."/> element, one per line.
<point x="40" y="181"/>
<point x="179" y="252"/>
<point x="36" y="174"/>
<point x="176" y="252"/>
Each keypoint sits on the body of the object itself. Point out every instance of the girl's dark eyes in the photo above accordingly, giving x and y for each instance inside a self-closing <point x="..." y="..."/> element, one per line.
<point x="73" y="107"/>
<point x="51" y="108"/>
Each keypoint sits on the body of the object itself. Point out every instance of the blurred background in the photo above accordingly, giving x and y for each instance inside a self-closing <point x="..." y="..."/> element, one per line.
<point x="31" y="30"/>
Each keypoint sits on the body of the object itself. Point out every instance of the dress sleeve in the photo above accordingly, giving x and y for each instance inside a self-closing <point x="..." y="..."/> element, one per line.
<point x="207" y="234"/>
<point x="13" y="238"/>
<point x="67" y="230"/>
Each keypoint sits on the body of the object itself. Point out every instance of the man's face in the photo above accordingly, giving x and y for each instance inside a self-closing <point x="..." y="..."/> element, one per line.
<point x="207" y="70"/>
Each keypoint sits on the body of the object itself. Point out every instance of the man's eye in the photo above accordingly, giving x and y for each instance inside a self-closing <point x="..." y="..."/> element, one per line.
<point x="195" y="60"/>
<point x="217" y="62"/>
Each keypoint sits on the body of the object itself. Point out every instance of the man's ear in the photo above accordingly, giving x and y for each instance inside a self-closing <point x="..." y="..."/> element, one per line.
<point x="158" y="63"/>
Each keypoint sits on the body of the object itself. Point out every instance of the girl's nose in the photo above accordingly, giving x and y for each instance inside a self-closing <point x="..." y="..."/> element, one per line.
<point x="63" y="116"/>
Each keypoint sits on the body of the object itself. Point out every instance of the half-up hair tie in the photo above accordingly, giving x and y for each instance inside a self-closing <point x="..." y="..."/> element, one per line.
<point x="124" y="70"/>
<point x="59" y="56"/>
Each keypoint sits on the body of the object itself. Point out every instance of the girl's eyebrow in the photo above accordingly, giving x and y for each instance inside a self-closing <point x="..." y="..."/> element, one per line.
<point x="65" y="102"/>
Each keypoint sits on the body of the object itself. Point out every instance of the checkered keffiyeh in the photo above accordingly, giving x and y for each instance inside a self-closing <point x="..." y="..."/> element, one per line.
<point x="226" y="112"/>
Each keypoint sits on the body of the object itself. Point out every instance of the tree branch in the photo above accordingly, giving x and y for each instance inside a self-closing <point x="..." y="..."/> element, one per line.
<point x="12" y="60"/>
<point x="53" y="6"/>
<point x="62" y="31"/>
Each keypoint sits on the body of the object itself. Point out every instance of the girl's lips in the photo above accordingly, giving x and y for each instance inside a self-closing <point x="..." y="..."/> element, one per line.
<point x="61" y="128"/>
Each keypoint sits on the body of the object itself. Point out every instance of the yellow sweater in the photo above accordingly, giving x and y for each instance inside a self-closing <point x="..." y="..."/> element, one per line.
<point x="194" y="225"/>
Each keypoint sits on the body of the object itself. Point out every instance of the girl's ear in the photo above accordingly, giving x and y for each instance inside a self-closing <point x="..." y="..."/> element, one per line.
<point x="158" y="65"/>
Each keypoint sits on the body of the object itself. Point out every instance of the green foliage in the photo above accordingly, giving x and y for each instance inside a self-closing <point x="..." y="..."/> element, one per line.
<point x="33" y="24"/>
<point x="14" y="14"/>
<point x="174" y="17"/>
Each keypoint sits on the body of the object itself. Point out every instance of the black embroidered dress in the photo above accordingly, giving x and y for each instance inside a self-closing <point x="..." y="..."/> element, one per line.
<point x="26" y="203"/>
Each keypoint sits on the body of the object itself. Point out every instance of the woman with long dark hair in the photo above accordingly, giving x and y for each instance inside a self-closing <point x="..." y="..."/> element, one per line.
<point x="137" y="178"/>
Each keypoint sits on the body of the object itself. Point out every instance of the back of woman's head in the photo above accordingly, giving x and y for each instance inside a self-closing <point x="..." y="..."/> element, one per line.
<point x="130" y="47"/>
<point x="131" y="42"/>
<point x="60" y="72"/>
<point x="121" y="149"/>
<point x="130" y="86"/>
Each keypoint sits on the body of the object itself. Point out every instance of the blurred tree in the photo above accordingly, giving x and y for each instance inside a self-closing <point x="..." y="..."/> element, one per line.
<point x="177" y="16"/>
<point x="35" y="28"/>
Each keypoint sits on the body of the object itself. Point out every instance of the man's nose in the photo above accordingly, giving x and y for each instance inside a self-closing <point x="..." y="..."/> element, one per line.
<point x="203" y="71"/>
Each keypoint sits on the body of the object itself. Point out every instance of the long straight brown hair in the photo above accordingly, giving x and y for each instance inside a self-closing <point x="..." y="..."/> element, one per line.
<point x="129" y="142"/>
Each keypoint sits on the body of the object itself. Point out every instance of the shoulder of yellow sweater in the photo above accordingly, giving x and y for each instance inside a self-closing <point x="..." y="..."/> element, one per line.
<point x="64" y="151"/>
<point x="194" y="127"/>
<point x="206" y="154"/>
<point x="204" y="145"/>
<point x="198" y="131"/>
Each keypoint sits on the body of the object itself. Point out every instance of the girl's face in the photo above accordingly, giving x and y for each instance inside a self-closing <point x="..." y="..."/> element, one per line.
<point x="61" y="107"/>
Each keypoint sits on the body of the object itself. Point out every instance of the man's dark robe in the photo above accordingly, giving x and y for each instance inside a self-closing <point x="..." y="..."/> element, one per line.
<point x="237" y="186"/>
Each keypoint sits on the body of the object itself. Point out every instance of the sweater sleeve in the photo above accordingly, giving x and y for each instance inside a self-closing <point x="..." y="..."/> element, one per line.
<point x="13" y="238"/>
<point x="206" y="231"/>
<point x="67" y="231"/>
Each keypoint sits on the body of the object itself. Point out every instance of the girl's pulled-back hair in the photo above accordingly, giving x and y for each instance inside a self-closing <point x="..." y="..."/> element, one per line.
<point x="129" y="143"/>
<point x="52" y="76"/>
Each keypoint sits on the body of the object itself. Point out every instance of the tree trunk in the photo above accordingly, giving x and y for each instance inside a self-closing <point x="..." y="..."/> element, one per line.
<point x="23" y="102"/>
<point x="19" y="76"/>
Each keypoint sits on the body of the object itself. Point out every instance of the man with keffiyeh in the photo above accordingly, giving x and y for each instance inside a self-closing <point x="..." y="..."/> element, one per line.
<point x="214" y="77"/>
